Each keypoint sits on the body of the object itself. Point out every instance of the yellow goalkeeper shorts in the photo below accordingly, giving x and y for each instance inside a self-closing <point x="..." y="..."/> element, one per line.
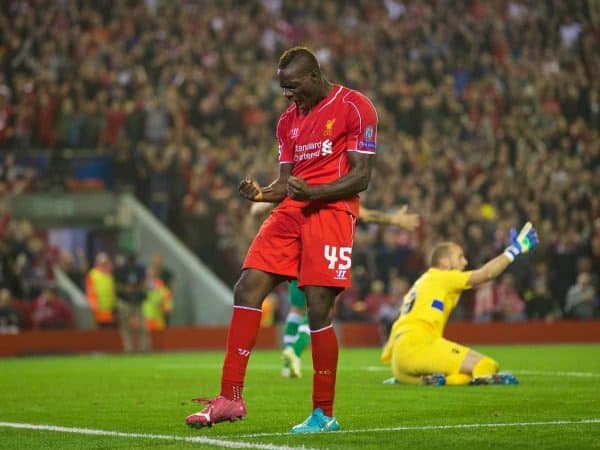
<point x="418" y="352"/>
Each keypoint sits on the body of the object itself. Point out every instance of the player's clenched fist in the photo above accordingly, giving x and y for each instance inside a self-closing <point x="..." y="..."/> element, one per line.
<point x="250" y="189"/>
<point x="298" y="188"/>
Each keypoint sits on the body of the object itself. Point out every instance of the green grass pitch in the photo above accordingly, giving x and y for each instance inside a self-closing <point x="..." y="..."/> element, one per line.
<point x="145" y="398"/>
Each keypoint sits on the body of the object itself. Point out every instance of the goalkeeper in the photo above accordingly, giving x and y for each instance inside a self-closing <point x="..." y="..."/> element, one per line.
<point x="416" y="348"/>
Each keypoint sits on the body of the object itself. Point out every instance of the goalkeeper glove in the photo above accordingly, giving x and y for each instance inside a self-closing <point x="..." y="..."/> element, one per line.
<point x="522" y="242"/>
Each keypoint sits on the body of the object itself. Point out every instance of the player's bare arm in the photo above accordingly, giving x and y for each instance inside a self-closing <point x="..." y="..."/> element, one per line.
<point x="273" y="193"/>
<point x="350" y="184"/>
<point x="401" y="218"/>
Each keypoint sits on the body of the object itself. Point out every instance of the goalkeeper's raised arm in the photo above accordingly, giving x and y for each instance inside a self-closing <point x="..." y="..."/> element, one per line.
<point x="520" y="243"/>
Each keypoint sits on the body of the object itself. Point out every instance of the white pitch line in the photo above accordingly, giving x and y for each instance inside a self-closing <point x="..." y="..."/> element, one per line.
<point x="163" y="437"/>
<point x="559" y="374"/>
<point x="522" y="372"/>
<point x="260" y="446"/>
<point x="442" y="427"/>
<point x="382" y="368"/>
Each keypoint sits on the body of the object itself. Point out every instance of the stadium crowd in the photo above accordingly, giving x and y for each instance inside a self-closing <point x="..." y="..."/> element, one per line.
<point x="30" y="298"/>
<point x="489" y="115"/>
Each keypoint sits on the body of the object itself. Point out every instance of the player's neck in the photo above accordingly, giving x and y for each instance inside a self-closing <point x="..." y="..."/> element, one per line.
<point x="327" y="88"/>
<point x="323" y="93"/>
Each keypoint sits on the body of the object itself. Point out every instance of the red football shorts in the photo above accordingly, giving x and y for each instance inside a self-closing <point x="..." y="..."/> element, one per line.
<point x="313" y="245"/>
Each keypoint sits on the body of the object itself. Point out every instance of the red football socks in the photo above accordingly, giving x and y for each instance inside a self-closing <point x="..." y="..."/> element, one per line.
<point x="325" y="358"/>
<point x="241" y="338"/>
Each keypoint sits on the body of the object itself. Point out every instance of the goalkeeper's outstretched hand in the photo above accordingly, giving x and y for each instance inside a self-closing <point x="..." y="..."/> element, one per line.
<point x="522" y="242"/>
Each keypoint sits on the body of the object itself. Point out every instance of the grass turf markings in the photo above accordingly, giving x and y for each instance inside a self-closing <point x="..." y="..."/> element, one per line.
<point x="217" y="442"/>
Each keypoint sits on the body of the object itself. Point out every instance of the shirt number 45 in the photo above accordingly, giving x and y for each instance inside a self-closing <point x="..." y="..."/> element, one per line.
<point x="343" y="255"/>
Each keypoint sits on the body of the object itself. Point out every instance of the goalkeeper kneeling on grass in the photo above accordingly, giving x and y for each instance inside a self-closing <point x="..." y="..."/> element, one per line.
<point x="416" y="348"/>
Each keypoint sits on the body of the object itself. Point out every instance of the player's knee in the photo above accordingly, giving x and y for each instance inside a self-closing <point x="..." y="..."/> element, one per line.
<point x="319" y="317"/>
<point x="485" y="366"/>
<point x="248" y="293"/>
<point x="319" y="302"/>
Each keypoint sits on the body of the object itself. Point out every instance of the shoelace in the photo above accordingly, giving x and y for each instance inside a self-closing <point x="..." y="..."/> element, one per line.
<point x="205" y="400"/>
<point x="317" y="419"/>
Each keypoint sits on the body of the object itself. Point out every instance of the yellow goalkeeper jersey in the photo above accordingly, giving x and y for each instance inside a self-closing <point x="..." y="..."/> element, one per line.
<point x="431" y="299"/>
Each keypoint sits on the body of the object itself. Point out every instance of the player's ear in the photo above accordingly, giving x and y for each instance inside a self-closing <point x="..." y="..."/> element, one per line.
<point x="445" y="262"/>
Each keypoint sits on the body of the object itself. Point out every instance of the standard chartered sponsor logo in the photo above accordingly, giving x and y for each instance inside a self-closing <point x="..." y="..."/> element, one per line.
<point x="305" y="156"/>
<point x="312" y="150"/>
<point x="310" y="146"/>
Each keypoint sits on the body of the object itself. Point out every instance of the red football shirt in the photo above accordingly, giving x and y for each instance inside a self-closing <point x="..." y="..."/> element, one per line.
<point x="317" y="143"/>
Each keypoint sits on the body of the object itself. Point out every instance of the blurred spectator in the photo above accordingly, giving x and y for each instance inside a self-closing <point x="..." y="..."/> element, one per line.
<point x="7" y="130"/>
<point x="157" y="121"/>
<point x="162" y="271"/>
<point x="198" y="217"/>
<point x="540" y="304"/>
<point x="375" y="299"/>
<point x="349" y="306"/>
<point x="130" y="282"/>
<point x="51" y="312"/>
<point x="9" y="316"/>
<point x="390" y="309"/>
<point x="485" y="302"/>
<point x="158" y="303"/>
<point x="509" y="304"/>
<point x="160" y="171"/>
<point x="74" y="268"/>
<point x="14" y="177"/>
<point x="269" y="310"/>
<point x="581" y="298"/>
<point x="101" y="293"/>
<point x="391" y="254"/>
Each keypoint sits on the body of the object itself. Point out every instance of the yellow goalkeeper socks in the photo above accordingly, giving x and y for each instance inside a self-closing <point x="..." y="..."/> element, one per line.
<point x="485" y="367"/>
<point x="457" y="379"/>
<point x="405" y="378"/>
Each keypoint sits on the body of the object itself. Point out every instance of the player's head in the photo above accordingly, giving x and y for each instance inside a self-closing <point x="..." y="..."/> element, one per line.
<point x="301" y="78"/>
<point x="103" y="260"/>
<point x="448" y="256"/>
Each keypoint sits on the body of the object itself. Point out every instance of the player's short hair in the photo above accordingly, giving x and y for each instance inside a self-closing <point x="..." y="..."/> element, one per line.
<point x="441" y="250"/>
<point x="304" y="54"/>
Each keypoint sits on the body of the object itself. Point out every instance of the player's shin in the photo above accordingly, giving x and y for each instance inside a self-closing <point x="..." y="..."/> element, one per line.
<point x="325" y="358"/>
<point x="241" y="338"/>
